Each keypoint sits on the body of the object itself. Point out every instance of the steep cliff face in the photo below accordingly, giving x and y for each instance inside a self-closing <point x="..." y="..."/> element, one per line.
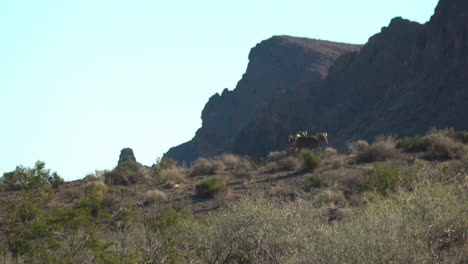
<point x="406" y="79"/>
<point x="275" y="65"/>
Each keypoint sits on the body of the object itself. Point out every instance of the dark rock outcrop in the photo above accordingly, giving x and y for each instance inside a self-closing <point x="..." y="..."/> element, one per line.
<point x="275" y="65"/>
<point x="405" y="80"/>
<point x="126" y="153"/>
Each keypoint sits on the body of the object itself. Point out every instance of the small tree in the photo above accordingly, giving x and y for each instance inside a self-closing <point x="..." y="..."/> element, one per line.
<point x="30" y="178"/>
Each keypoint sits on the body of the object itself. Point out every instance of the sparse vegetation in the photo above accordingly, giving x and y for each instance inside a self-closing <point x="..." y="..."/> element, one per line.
<point x="358" y="147"/>
<point x="204" y="166"/>
<point x="382" y="149"/>
<point x="209" y="187"/>
<point x="436" y="144"/>
<point x="310" y="161"/>
<point x="154" y="196"/>
<point x="282" y="161"/>
<point x="128" y="172"/>
<point x="408" y="210"/>
<point x="28" y="178"/>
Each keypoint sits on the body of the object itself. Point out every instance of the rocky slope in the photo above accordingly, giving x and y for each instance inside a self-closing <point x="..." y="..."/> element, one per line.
<point x="277" y="64"/>
<point x="406" y="79"/>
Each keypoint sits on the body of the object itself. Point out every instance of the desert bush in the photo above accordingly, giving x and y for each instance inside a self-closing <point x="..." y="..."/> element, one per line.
<point x="154" y="196"/>
<point x="442" y="148"/>
<point x="436" y="144"/>
<point x="462" y="136"/>
<point x="402" y="229"/>
<point x="209" y="187"/>
<point x="286" y="164"/>
<point x="358" y="146"/>
<point x="27" y="178"/>
<point x="329" y="197"/>
<point x="310" y="161"/>
<point x="245" y="173"/>
<point x="128" y="172"/>
<point x="110" y="203"/>
<point x="282" y="193"/>
<point x="102" y="185"/>
<point x="329" y="151"/>
<point x="174" y="176"/>
<point x="384" y="178"/>
<point x="230" y="161"/>
<point x="316" y="181"/>
<point x="72" y="194"/>
<point x="276" y="156"/>
<point x="350" y="182"/>
<point x="381" y="150"/>
<point x="204" y="166"/>
<point x="412" y="144"/>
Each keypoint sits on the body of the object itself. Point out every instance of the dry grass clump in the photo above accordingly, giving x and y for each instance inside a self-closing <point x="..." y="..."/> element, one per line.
<point x="204" y="166"/>
<point x="110" y="203"/>
<point x="231" y="162"/>
<point x="102" y="185"/>
<point x="436" y="144"/>
<point x="329" y="151"/>
<point x="70" y="195"/>
<point x="351" y="183"/>
<point x="382" y="149"/>
<point x="358" y="146"/>
<point x="173" y="176"/>
<point x="316" y="181"/>
<point x="154" y="196"/>
<point x="282" y="161"/>
<point x="277" y="155"/>
<point x="285" y="164"/>
<point x="442" y="148"/>
<point x="329" y="197"/>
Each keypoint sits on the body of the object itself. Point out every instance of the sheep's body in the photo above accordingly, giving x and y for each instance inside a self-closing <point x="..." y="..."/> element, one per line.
<point x="308" y="142"/>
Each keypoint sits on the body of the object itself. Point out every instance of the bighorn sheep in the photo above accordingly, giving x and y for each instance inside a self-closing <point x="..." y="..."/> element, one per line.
<point x="299" y="134"/>
<point x="307" y="142"/>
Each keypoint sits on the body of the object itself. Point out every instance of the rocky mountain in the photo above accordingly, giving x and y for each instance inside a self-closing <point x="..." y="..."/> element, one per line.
<point x="275" y="65"/>
<point x="404" y="80"/>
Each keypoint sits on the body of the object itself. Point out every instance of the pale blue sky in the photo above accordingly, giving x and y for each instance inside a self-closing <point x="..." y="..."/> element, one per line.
<point x="80" y="80"/>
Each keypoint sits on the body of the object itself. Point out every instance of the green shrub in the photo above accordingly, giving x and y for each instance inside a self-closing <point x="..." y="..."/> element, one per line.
<point x="209" y="187"/>
<point x="384" y="178"/>
<point x="29" y="178"/>
<point x="310" y="161"/>
<point x="381" y="150"/>
<point x="128" y="172"/>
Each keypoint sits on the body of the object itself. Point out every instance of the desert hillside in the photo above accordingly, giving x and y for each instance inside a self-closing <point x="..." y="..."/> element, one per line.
<point x="392" y="201"/>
